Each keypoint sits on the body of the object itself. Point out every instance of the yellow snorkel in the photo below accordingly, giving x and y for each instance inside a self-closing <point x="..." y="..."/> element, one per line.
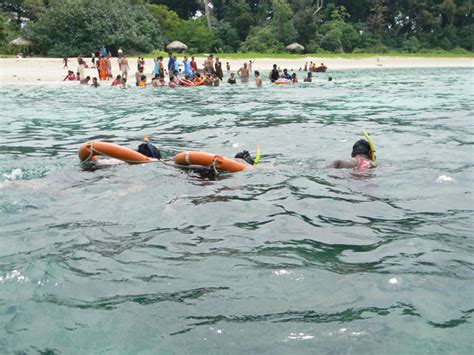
<point x="371" y="144"/>
<point x="257" y="157"/>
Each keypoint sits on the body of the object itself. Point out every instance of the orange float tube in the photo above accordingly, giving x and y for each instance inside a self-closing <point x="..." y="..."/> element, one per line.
<point x="200" y="82"/>
<point x="186" y="82"/>
<point x="90" y="150"/>
<point x="206" y="159"/>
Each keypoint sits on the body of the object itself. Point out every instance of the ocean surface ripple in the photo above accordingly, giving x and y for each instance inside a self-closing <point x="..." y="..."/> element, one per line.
<point x="289" y="257"/>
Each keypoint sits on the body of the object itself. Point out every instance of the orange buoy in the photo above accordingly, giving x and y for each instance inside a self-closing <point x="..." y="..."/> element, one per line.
<point x="282" y="81"/>
<point x="186" y="82"/>
<point x="206" y="159"/>
<point x="90" y="150"/>
<point x="200" y="81"/>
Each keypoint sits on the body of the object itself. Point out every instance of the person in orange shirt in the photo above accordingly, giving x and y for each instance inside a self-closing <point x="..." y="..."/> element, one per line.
<point x="103" y="69"/>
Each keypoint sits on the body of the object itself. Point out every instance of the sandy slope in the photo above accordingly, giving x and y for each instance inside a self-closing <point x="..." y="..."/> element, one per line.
<point x="42" y="70"/>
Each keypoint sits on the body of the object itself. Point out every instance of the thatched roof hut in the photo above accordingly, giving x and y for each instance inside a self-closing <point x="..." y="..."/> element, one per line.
<point x="295" y="47"/>
<point x="21" y="42"/>
<point x="177" y="46"/>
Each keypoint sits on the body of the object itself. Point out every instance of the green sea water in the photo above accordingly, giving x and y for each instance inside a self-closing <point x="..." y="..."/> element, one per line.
<point x="291" y="257"/>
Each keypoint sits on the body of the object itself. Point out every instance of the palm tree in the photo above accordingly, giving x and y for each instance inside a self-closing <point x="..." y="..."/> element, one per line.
<point x="207" y="11"/>
<point x="376" y="20"/>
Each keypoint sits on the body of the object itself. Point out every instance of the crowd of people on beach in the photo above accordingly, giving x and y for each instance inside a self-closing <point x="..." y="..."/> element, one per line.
<point x="184" y="73"/>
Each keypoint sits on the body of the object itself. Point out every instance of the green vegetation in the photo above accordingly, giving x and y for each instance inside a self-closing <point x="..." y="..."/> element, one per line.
<point x="359" y="28"/>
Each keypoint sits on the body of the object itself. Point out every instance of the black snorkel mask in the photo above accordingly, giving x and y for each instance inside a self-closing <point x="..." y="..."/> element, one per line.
<point x="245" y="155"/>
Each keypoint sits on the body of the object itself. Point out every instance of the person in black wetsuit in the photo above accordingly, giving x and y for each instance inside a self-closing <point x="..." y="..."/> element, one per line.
<point x="231" y="79"/>
<point x="274" y="74"/>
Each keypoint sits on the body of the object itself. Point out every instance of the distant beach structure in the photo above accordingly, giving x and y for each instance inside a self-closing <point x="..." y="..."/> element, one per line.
<point x="177" y="46"/>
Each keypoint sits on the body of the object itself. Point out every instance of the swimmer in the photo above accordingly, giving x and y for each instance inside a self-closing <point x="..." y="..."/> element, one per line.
<point x="231" y="79"/>
<point x="244" y="156"/>
<point x="142" y="82"/>
<point x="138" y="76"/>
<point x="330" y="78"/>
<point x="86" y="80"/>
<point x="308" y="78"/>
<point x="124" y="83"/>
<point x="258" y="79"/>
<point x="361" y="153"/>
<point x="70" y="76"/>
<point x="294" y="79"/>
<point x="285" y="74"/>
<point x="117" y="81"/>
<point x="174" y="80"/>
<point x="95" y="83"/>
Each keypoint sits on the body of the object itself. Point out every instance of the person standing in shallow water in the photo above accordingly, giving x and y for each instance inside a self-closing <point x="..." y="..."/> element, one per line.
<point x="258" y="79"/>
<point x="218" y="67"/>
<point x="231" y="79"/>
<point x="274" y="74"/>
<point x="194" y="65"/>
<point x="244" y="73"/>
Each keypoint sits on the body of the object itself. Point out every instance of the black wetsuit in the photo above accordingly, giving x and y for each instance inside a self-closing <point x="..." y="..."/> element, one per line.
<point x="274" y="75"/>
<point x="231" y="81"/>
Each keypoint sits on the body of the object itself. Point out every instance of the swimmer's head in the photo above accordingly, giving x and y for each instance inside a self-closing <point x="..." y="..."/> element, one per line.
<point x="149" y="150"/>
<point x="245" y="155"/>
<point x="256" y="72"/>
<point x="361" y="147"/>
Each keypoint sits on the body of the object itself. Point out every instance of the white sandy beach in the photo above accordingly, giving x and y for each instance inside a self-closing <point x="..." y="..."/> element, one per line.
<point x="50" y="70"/>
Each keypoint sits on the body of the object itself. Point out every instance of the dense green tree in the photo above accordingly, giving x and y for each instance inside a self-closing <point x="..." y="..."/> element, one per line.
<point x="262" y="39"/>
<point x="184" y="8"/>
<point x="339" y="36"/>
<point x="263" y="25"/>
<point x="228" y="37"/>
<point x="194" y="32"/>
<point x="70" y="27"/>
<point x="282" y="23"/>
<point x="21" y="10"/>
<point x="197" y="36"/>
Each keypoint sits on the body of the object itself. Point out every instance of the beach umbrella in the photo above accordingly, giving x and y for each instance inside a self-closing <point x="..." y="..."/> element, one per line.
<point x="21" y="42"/>
<point x="177" y="46"/>
<point x="295" y="47"/>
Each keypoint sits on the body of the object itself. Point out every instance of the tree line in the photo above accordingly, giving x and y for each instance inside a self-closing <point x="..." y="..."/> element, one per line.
<point x="70" y="27"/>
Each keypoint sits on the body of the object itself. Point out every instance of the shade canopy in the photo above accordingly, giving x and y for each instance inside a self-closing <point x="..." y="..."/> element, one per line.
<point x="296" y="47"/>
<point x="20" y="41"/>
<point x="177" y="46"/>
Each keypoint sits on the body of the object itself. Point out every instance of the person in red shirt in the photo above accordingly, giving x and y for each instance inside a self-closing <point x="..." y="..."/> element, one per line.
<point x="70" y="76"/>
<point x="294" y="79"/>
<point x="117" y="81"/>
<point x="194" y="66"/>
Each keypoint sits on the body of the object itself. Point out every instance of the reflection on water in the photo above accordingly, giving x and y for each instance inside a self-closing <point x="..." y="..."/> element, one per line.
<point x="292" y="255"/>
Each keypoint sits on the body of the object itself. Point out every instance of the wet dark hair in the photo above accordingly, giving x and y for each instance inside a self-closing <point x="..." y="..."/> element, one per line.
<point x="256" y="72"/>
<point x="149" y="150"/>
<point x="245" y="155"/>
<point x="360" y="147"/>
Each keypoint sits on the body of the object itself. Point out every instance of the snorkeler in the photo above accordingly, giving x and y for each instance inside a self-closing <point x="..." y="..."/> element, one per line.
<point x="363" y="156"/>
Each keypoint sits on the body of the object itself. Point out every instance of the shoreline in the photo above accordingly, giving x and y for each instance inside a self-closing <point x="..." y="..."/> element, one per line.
<point x="50" y="70"/>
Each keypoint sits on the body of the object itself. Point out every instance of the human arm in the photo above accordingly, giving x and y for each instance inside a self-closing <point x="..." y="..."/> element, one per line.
<point x="343" y="164"/>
